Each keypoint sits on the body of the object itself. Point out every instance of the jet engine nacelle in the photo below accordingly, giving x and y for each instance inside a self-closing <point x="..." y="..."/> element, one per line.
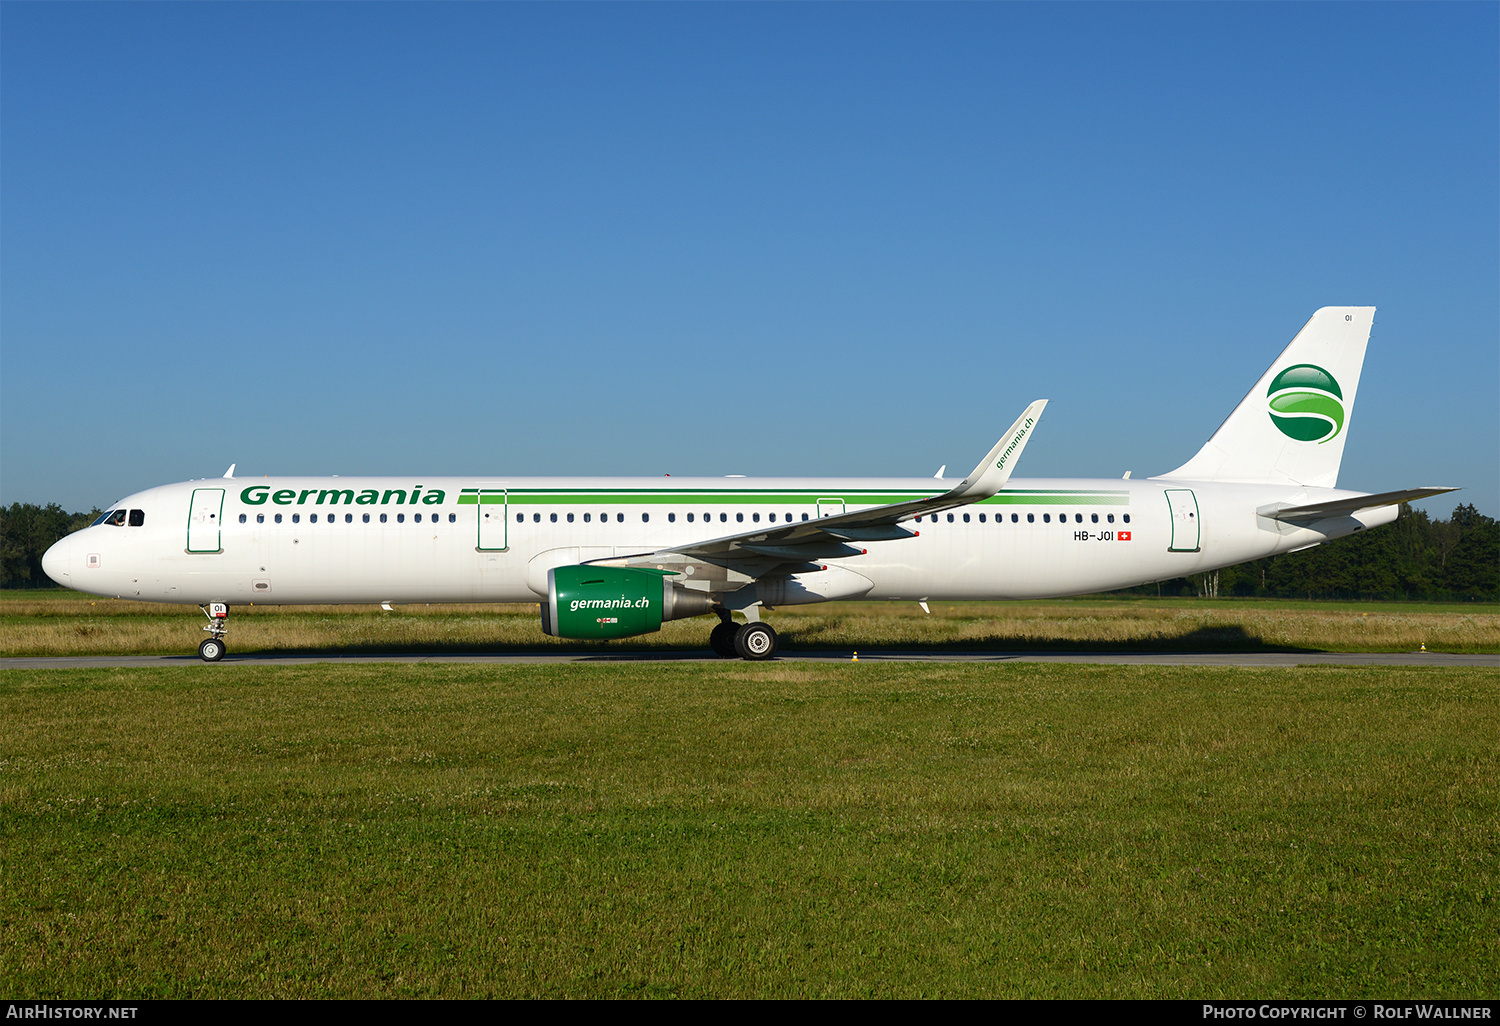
<point x="597" y="602"/>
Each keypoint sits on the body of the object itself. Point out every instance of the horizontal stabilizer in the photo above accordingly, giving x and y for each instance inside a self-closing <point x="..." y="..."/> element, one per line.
<point x="1345" y="507"/>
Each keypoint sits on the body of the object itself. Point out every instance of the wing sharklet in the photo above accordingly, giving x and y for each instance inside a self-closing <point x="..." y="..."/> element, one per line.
<point x="983" y="481"/>
<point x="995" y="469"/>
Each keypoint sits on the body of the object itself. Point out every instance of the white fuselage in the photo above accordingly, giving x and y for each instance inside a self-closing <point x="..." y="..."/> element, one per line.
<point x="325" y="540"/>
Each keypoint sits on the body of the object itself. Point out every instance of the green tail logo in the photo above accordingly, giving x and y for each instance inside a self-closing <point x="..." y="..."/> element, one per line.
<point x="1305" y="403"/>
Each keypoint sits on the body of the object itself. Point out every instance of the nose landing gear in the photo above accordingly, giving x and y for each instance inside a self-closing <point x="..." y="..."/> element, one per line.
<point x="213" y="648"/>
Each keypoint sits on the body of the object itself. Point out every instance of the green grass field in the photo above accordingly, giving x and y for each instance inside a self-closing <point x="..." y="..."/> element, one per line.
<point x="37" y="623"/>
<point x="732" y="829"/>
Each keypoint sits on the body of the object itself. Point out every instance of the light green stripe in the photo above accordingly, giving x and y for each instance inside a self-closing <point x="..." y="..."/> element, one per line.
<point x="697" y="498"/>
<point x="1058" y="499"/>
<point x="735" y="498"/>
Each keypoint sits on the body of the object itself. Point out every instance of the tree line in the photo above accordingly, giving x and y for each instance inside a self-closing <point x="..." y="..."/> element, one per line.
<point x="28" y="530"/>
<point x="1414" y="558"/>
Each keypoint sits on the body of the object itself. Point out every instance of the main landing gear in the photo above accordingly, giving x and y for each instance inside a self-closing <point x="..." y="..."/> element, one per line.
<point x="754" y="641"/>
<point x="213" y="647"/>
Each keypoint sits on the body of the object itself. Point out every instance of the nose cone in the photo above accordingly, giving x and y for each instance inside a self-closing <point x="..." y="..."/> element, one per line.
<point x="57" y="562"/>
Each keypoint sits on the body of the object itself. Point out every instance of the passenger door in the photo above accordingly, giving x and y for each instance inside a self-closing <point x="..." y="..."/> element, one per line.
<point x="204" y="520"/>
<point x="494" y="510"/>
<point x="1186" y="529"/>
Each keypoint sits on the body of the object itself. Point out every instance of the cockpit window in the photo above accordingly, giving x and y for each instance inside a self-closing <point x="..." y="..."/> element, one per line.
<point x="114" y="518"/>
<point x="103" y="517"/>
<point x="137" y="517"/>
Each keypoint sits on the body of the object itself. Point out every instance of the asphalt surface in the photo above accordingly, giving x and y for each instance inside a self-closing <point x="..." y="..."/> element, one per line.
<point x="1249" y="659"/>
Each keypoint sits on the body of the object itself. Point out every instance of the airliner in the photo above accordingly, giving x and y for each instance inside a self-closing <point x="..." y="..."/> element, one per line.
<point x="617" y="557"/>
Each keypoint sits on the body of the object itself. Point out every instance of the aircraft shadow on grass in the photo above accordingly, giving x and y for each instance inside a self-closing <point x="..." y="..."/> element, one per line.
<point x="1219" y="639"/>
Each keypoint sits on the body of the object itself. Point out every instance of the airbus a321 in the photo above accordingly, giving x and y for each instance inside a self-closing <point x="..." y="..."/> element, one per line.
<point x="613" y="558"/>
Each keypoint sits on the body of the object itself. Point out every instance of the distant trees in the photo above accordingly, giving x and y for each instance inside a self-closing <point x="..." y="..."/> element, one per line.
<point x="28" y="530"/>
<point x="1473" y="564"/>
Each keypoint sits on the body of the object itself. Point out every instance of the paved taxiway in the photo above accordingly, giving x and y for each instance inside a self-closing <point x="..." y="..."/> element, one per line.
<point x="1249" y="659"/>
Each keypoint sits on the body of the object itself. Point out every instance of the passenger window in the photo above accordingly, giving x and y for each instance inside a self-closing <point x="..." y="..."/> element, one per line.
<point x="723" y="518"/>
<point x="536" y="518"/>
<point x="981" y="518"/>
<point x="260" y="518"/>
<point x="278" y="518"/>
<point x="672" y="518"/>
<point x="382" y="518"/>
<point x="966" y="518"/>
<point x="1077" y="518"/>
<point x="400" y="518"/>
<point x="950" y="518"/>
<point x="453" y="518"/>
<point x="1015" y="518"/>
<point x="690" y="518"/>
<point x="296" y="518"/>
<point x="348" y="518"/>
<point x="570" y="517"/>
<point x="1046" y="518"/>
<point x="1110" y="517"/>
<point x="554" y="517"/>
<point x="645" y="518"/>
<point x="1031" y="518"/>
<point x="1093" y="518"/>
<point x="585" y="517"/>
<point x="755" y="517"/>
<point x="739" y="518"/>
<point x="365" y="518"/>
<point x="804" y="516"/>
<point x="1126" y="518"/>
<point x="243" y="518"/>
<point x="313" y="519"/>
<point x="771" y="517"/>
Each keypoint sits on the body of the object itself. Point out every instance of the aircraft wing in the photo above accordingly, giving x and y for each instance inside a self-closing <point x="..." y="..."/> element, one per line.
<point x="797" y="546"/>
<point x="1345" y="507"/>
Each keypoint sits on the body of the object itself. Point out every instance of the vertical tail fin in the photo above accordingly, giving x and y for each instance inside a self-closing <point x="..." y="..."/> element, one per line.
<point x="1291" y="428"/>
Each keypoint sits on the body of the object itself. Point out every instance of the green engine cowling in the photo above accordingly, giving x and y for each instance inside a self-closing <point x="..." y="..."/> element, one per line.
<point x="599" y="602"/>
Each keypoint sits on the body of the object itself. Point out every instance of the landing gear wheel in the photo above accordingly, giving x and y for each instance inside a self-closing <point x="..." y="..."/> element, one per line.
<point x="755" y="641"/>
<point x="212" y="650"/>
<point x="721" y="640"/>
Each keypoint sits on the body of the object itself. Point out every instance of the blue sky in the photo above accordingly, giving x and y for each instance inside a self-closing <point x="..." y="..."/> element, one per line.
<point x="773" y="239"/>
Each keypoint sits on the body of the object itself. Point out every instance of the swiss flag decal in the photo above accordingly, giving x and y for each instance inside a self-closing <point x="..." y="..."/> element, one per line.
<point x="1124" y="535"/>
